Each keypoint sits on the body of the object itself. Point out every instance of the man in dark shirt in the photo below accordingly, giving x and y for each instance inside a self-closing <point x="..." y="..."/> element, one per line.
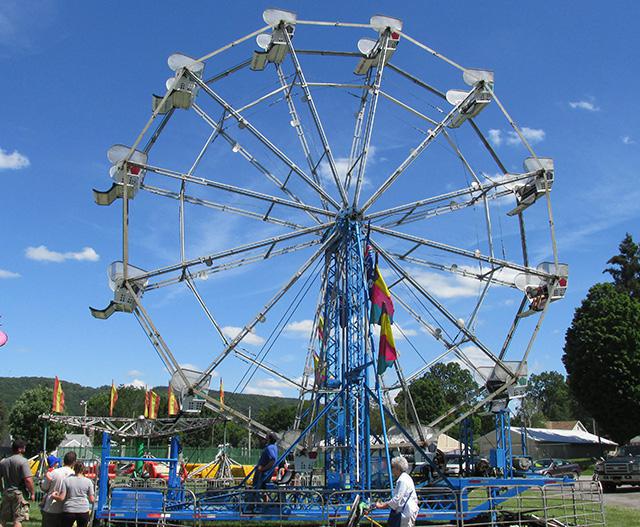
<point x="17" y="479"/>
<point x="266" y="463"/>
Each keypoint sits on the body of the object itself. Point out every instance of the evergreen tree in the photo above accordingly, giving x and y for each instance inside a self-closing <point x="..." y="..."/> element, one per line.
<point x="625" y="268"/>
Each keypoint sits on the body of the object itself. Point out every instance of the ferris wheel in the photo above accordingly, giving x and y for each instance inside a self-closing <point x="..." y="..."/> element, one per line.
<point x="285" y="175"/>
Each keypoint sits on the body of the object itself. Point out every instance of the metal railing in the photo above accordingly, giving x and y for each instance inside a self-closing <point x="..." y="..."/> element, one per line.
<point x="565" y="504"/>
<point x="577" y="504"/>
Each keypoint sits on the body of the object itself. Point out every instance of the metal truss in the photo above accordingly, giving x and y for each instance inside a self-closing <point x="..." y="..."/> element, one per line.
<point x="129" y="427"/>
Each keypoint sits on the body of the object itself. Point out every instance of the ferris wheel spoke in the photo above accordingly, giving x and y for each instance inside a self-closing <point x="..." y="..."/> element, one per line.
<point x="220" y="206"/>
<point x="474" y="191"/>
<point x="454" y="269"/>
<point x="233" y="189"/>
<point x="433" y="134"/>
<point x="263" y="139"/>
<point x="252" y="160"/>
<point x="183" y="266"/>
<point x="433" y="52"/>
<point x="449" y="345"/>
<point x="354" y="158"/>
<point x="268" y="306"/>
<point x="462" y="252"/>
<point x="435" y="303"/>
<point x="408" y="107"/>
<point x="228" y="72"/>
<point x="243" y="354"/>
<point x="373" y="107"/>
<point x="426" y="213"/>
<point x="316" y="117"/>
<point x="156" y="339"/>
<point x="269" y="254"/>
<point x="417" y="81"/>
<point x="297" y="124"/>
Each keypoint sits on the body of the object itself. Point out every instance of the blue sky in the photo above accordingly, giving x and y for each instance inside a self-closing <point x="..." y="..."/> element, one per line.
<point x="79" y="78"/>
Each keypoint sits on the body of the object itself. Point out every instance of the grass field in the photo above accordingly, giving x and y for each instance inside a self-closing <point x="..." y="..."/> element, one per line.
<point x="615" y="517"/>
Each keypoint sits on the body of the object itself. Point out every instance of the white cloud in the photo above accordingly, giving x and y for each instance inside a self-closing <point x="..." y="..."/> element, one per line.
<point x="4" y="274"/>
<point x="533" y="135"/>
<point x="254" y="390"/>
<point x="399" y="333"/>
<point x="584" y="105"/>
<point x="495" y="136"/>
<point x="478" y="358"/>
<point x="342" y="166"/>
<point x="300" y="328"/>
<point x="13" y="161"/>
<point x="444" y="286"/>
<point x="134" y="373"/>
<point x="136" y="383"/>
<point x="43" y="254"/>
<point x="250" y="338"/>
<point x="270" y="386"/>
<point x="627" y="140"/>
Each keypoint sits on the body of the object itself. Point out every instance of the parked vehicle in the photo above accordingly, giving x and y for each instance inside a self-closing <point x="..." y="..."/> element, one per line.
<point x="557" y="468"/>
<point x="623" y="468"/>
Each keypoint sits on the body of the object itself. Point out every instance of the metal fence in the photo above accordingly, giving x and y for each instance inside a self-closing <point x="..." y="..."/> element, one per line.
<point x="576" y="504"/>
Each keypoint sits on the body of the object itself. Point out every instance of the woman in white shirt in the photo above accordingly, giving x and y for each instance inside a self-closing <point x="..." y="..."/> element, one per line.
<point x="404" y="503"/>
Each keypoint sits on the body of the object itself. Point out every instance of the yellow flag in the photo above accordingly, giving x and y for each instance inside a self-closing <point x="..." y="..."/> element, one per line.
<point x="58" y="397"/>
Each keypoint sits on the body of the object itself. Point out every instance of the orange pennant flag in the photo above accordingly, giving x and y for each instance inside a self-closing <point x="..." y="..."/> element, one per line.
<point x="58" y="397"/>
<point x="151" y="405"/>
<point x="113" y="398"/>
<point x="221" y="394"/>
<point x="173" y="406"/>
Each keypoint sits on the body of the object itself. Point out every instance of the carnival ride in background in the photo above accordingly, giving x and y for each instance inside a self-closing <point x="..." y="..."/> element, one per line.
<point x="355" y="241"/>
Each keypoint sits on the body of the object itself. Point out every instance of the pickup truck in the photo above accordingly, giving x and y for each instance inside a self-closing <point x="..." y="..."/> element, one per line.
<point x="623" y="468"/>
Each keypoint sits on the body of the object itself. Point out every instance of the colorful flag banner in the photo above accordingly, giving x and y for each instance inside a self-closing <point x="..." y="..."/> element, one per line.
<point x="151" y="404"/>
<point x="318" y="364"/>
<point x="58" y="397"/>
<point x="221" y="394"/>
<point x="387" y="353"/>
<point x="369" y="266"/>
<point x="113" y="398"/>
<point x="320" y="329"/>
<point x="380" y="299"/>
<point x="319" y="368"/>
<point x="173" y="408"/>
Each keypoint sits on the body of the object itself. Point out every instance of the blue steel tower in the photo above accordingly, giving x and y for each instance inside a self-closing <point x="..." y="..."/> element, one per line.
<point x="348" y="361"/>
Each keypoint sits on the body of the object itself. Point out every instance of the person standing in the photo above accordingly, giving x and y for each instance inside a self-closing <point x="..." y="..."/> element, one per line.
<point x="404" y="503"/>
<point x="268" y="458"/>
<point x="17" y="480"/>
<point x="52" y="482"/>
<point x="77" y="496"/>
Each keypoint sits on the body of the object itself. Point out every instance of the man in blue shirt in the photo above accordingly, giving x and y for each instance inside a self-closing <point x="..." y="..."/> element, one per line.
<point x="266" y="463"/>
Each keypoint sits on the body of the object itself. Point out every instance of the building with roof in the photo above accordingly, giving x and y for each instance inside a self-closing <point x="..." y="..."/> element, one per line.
<point x="566" y="425"/>
<point x="547" y="442"/>
<point x="75" y="441"/>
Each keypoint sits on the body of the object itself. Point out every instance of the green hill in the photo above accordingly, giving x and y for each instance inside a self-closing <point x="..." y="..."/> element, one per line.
<point x="12" y="387"/>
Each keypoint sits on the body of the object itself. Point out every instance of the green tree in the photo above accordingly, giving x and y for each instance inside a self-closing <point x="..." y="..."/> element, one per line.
<point x="602" y="359"/>
<point x="548" y="398"/>
<point x="626" y="268"/>
<point x="24" y="420"/>
<point x="442" y="387"/>
<point x="3" y="418"/>
<point x="277" y="417"/>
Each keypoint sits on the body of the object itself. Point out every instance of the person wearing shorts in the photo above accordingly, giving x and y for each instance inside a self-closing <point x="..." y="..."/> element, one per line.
<point x="77" y="496"/>
<point x="17" y="480"/>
